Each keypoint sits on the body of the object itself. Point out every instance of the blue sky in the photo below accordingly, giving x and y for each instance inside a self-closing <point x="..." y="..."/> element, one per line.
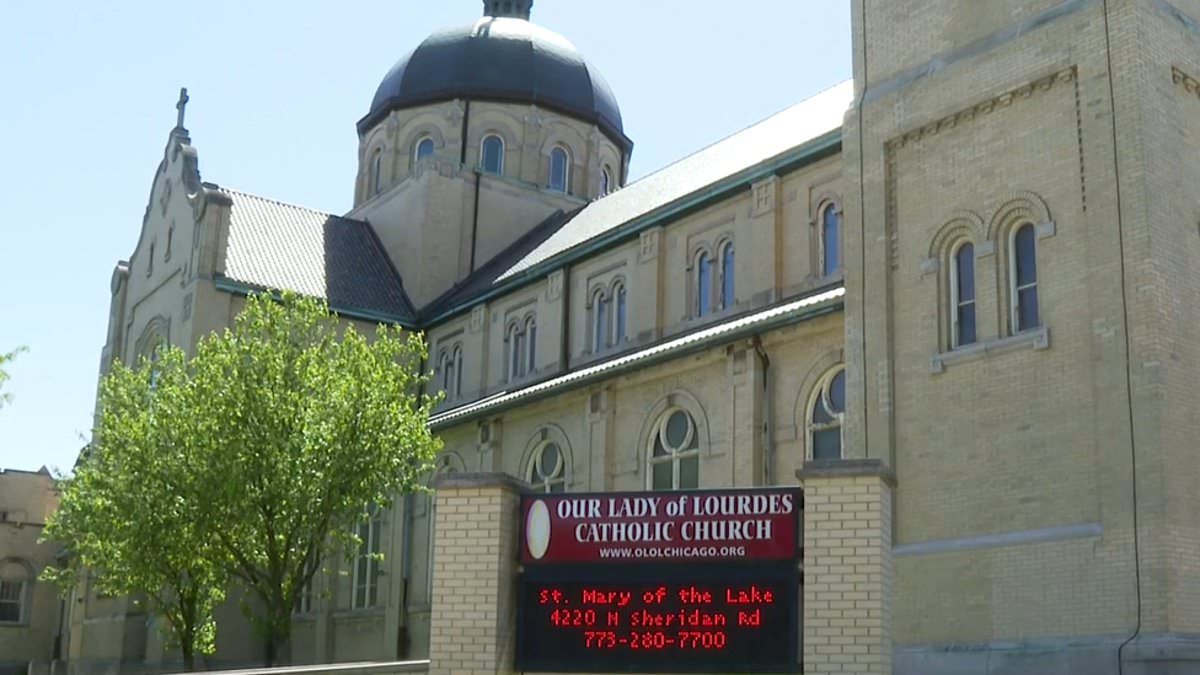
<point x="276" y="87"/>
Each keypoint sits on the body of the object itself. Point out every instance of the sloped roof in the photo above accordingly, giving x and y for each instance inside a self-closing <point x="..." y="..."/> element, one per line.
<point x="806" y="121"/>
<point x="280" y="246"/>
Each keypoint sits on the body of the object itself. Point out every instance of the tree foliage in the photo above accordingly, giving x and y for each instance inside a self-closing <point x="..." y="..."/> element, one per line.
<point x="271" y="440"/>
<point x="4" y="359"/>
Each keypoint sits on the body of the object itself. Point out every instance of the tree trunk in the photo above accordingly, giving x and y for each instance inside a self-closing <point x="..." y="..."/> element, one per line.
<point x="189" y="654"/>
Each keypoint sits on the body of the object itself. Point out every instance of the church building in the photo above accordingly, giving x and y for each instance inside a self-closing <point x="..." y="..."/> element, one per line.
<point x="947" y="299"/>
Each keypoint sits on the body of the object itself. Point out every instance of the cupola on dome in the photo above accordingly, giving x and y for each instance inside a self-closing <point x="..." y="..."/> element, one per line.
<point x="505" y="58"/>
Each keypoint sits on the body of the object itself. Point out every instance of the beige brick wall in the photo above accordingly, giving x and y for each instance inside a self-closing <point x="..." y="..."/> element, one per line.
<point x="847" y="607"/>
<point x="474" y="612"/>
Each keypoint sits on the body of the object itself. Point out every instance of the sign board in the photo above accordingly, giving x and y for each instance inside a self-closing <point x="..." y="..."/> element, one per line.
<point x="696" y="581"/>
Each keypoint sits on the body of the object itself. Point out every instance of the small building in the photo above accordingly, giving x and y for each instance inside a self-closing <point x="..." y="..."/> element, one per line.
<point x="31" y="611"/>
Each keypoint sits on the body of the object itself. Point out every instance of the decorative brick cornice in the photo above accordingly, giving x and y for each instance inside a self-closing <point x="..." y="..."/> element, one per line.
<point x="1190" y="84"/>
<point x="983" y="108"/>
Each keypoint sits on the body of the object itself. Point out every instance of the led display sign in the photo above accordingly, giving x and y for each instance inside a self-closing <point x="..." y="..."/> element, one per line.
<point x="698" y="581"/>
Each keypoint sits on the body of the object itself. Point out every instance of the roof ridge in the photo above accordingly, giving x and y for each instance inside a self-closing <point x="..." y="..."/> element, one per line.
<point x="731" y="135"/>
<point x="243" y="193"/>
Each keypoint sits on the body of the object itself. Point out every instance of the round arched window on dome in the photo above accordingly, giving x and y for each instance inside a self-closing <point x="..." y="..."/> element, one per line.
<point x="605" y="181"/>
<point x="675" y="452"/>
<point x="491" y="157"/>
<point x="423" y="149"/>
<point x="547" y="470"/>
<point x="560" y="170"/>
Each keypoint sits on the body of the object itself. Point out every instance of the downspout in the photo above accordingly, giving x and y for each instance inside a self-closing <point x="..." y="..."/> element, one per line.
<point x="1137" y="555"/>
<point x="768" y="430"/>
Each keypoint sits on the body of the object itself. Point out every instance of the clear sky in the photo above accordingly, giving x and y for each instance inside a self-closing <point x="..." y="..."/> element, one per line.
<point x="88" y="98"/>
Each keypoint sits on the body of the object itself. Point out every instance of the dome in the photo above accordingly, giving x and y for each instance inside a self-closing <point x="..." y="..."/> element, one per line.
<point x="500" y="59"/>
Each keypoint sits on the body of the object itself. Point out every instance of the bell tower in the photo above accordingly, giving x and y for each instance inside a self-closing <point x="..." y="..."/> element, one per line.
<point x="1021" y="253"/>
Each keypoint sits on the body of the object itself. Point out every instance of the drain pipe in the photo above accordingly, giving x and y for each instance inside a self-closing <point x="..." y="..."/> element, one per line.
<point x="768" y="431"/>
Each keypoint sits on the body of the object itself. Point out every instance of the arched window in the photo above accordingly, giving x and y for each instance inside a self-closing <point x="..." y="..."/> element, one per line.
<point x="703" y="284"/>
<point x="605" y="181"/>
<point x="377" y="171"/>
<point x="619" y="319"/>
<point x="547" y="470"/>
<point x="600" y="318"/>
<point x="674" y="452"/>
<point x="531" y="336"/>
<point x="491" y="158"/>
<point x="445" y="368"/>
<point x="516" y="351"/>
<point x="962" y="296"/>
<point x="457" y="363"/>
<point x="825" y="414"/>
<point x="16" y="582"/>
<point x="560" y="170"/>
<point x="1023" y="278"/>
<point x="830" y="240"/>
<point x="366" y="564"/>
<point x="423" y="149"/>
<point x="727" y="275"/>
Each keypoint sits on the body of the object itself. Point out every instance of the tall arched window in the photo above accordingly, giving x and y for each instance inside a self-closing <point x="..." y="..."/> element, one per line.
<point x="366" y="565"/>
<point x="560" y="170"/>
<point x="600" y="318"/>
<point x="377" y="171"/>
<point x="675" y="452"/>
<point x="516" y="351"/>
<point x="619" y="319"/>
<point x="16" y="580"/>
<point x="1023" y="279"/>
<point x="962" y="296"/>
<point x="703" y="284"/>
<point x="727" y="275"/>
<point x="531" y="336"/>
<point x="491" y="156"/>
<point x="825" y="414"/>
<point x="605" y="181"/>
<point x="830" y="240"/>
<point x="445" y="368"/>
<point x="457" y="363"/>
<point x="423" y="149"/>
<point x="547" y="471"/>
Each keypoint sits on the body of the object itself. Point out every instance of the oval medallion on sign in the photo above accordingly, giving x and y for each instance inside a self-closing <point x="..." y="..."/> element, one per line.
<point x="537" y="529"/>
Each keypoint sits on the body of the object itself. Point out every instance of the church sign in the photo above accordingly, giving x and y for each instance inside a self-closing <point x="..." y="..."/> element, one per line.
<point x="694" y="581"/>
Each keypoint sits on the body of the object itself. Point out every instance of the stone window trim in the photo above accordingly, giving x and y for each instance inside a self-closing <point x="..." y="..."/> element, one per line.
<point x="520" y="346"/>
<point x="677" y="399"/>
<point x="487" y="164"/>
<point x="449" y="371"/>
<point x="823" y="414"/>
<point x="607" y="312"/>
<point x="375" y="172"/>
<point x="543" y="478"/>
<point x="826" y="206"/>
<point x="606" y="186"/>
<point x="1036" y="339"/>
<point x="674" y="446"/>
<point x="558" y="178"/>
<point x="17" y="581"/>
<point x="1014" y="286"/>
<point x="961" y="335"/>
<point x="424" y="148"/>
<point x="726" y="262"/>
<point x="706" y="277"/>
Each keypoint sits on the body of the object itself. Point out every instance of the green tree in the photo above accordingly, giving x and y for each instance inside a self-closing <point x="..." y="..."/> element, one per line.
<point x="4" y="359"/>
<point x="127" y="527"/>
<point x="293" y="423"/>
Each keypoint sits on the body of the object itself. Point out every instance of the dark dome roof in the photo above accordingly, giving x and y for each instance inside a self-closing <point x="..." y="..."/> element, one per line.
<point x="500" y="59"/>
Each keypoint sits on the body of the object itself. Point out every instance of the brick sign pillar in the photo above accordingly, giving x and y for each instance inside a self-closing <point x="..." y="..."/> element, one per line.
<point x="474" y="574"/>
<point x="847" y="612"/>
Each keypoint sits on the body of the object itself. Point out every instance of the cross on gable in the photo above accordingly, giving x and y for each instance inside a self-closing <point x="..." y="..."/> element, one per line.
<point x="181" y="106"/>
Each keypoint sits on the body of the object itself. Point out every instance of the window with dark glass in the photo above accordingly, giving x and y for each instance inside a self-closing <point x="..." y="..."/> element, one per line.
<point x="366" y="565"/>
<point x="1024" y="279"/>
<point x="377" y="172"/>
<point x="962" y="299"/>
<point x="727" y="276"/>
<point x="826" y="414"/>
<point x="424" y="149"/>
<point x="619" y="328"/>
<point x="492" y="155"/>
<point x="531" y="334"/>
<point x="600" y="318"/>
<point x="703" y="284"/>
<point x="605" y="181"/>
<point x="830" y="240"/>
<point x="560" y="169"/>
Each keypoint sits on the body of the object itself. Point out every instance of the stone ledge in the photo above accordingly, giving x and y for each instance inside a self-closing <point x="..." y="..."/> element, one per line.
<point x="846" y="468"/>
<point x="480" y="480"/>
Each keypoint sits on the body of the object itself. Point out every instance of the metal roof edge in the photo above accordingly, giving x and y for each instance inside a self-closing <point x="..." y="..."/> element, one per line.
<point x="224" y="283"/>
<point x="789" y="160"/>
<point x="500" y="401"/>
